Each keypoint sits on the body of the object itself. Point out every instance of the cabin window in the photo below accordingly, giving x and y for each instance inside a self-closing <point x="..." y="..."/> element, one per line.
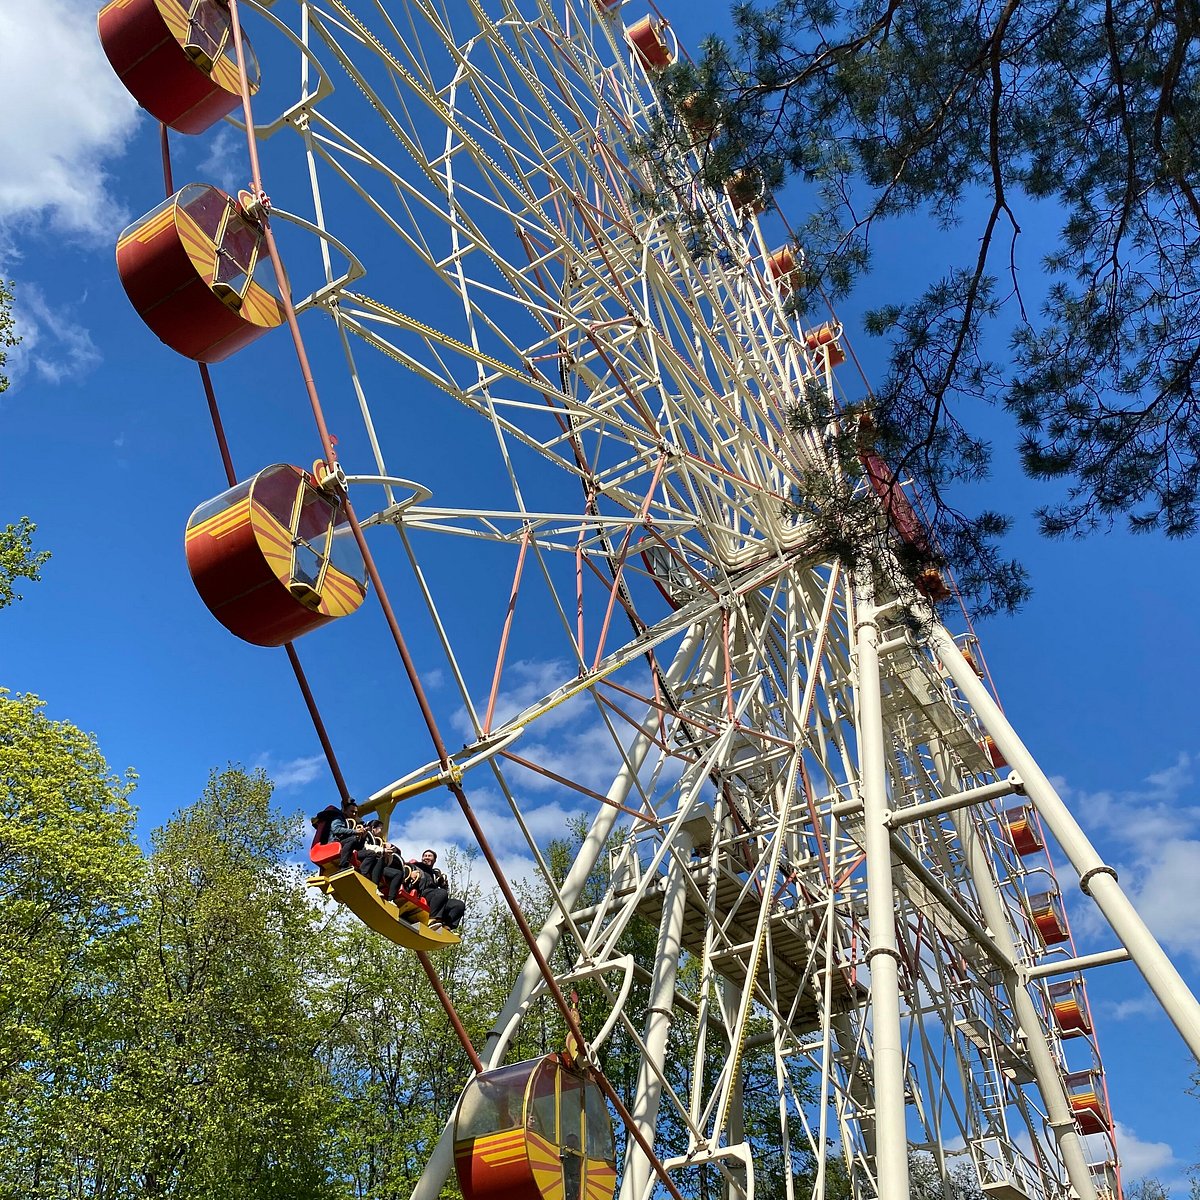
<point x="599" y="1126"/>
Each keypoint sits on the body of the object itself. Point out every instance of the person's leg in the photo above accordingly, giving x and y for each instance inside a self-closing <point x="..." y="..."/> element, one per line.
<point x="371" y="864"/>
<point x="350" y="843"/>
<point x="436" y="898"/>
<point x="393" y="880"/>
<point x="452" y="912"/>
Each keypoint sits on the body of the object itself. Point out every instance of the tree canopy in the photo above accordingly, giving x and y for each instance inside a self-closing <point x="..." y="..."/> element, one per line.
<point x="993" y="116"/>
<point x="18" y="560"/>
<point x="8" y="333"/>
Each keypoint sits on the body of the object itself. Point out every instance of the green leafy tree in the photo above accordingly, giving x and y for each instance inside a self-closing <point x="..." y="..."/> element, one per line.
<point x="217" y="1092"/>
<point x="18" y="559"/>
<point x="68" y="876"/>
<point x="1146" y="1188"/>
<point x="978" y="115"/>
<point x="8" y="334"/>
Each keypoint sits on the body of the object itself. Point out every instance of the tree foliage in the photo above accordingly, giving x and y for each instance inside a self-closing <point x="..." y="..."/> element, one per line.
<point x="68" y="877"/>
<point x="8" y="333"/>
<point x="216" y="1092"/>
<point x="992" y="116"/>
<point x="18" y="560"/>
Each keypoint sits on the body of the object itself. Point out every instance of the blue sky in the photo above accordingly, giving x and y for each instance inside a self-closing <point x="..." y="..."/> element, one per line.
<point x="109" y="449"/>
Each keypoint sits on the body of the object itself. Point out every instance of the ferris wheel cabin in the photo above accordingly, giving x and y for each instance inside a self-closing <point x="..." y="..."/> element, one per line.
<point x="273" y="557"/>
<point x="536" y="1130"/>
<point x="177" y="59"/>
<point x="196" y="270"/>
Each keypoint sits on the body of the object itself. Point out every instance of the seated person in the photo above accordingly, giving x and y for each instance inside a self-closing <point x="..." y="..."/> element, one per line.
<point x="435" y="888"/>
<point x="377" y="853"/>
<point x="346" y="829"/>
<point x="396" y="875"/>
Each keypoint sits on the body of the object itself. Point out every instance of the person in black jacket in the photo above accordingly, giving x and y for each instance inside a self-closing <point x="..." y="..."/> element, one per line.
<point x="346" y="829"/>
<point x="444" y="909"/>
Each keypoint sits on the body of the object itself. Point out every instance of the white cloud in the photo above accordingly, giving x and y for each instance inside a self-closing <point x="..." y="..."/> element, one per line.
<point x="54" y="347"/>
<point x="66" y="112"/>
<point x="1153" y="835"/>
<point x="523" y="683"/>
<point x="1162" y="886"/>
<point x="226" y="163"/>
<point x="1138" y="1158"/>
<point x="1137" y="1007"/>
<point x="292" y="773"/>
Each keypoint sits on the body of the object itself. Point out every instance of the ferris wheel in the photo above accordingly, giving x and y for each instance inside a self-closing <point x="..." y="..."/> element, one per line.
<point x="796" y="773"/>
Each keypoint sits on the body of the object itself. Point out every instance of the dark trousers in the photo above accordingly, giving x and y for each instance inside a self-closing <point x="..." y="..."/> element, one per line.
<point x="373" y="864"/>
<point x="394" y="879"/>
<point x="350" y="842"/>
<point x="444" y="907"/>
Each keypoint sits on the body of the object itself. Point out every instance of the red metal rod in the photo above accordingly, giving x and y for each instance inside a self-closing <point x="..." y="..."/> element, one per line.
<point x="165" y="144"/>
<point x="435" y="982"/>
<point x="508" y="621"/>
<point x="330" y="457"/>
<point x="318" y="723"/>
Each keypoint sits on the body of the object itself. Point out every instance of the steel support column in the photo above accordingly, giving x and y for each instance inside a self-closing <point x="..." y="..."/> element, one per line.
<point x="659" y="1018"/>
<point x="891" y="1157"/>
<point x="1096" y="878"/>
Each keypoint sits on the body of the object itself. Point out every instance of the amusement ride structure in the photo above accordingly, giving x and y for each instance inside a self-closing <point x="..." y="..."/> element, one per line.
<point x="799" y="779"/>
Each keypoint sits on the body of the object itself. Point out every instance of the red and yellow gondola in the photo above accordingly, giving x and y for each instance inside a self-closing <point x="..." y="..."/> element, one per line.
<point x="197" y="271"/>
<point x="274" y="558"/>
<point x="177" y="59"/>
<point x="537" y="1130"/>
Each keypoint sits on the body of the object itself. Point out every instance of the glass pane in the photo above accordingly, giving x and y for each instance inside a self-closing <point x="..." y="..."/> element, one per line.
<point x="217" y="504"/>
<point x="599" y="1126"/>
<point x="570" y="1128"/>
<point x="492" y="1102"/>
<point x="158" y="208"/>
<point x="205" y="205"/>
<point x="306" y="566"/>
<point x="275" y="490"/>
<point x="208" y="28"/>
<point x="316" y="514"/>
<point x="346" y="555"/>
<point x="236" y="255"/>
<point x="540" y="1115"/>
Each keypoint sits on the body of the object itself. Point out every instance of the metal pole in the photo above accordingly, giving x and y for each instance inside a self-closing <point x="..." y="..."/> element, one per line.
<point x="883" y="956"/>
<point x="1096" y="878"/>
<point x="659" y="1018"/>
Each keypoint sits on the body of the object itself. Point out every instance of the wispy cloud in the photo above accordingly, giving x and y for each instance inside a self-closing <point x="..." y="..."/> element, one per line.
<point x="1137" y="1156"/>
<point x="524" y="682"/>
<point x="293" y="772"/>
<point x="54" y="148"/>
<point x="54" y="348"/>
<point x="1136" y="1008"/>
<point x="1154" y="834"/>
<point x="225" y="162"/>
